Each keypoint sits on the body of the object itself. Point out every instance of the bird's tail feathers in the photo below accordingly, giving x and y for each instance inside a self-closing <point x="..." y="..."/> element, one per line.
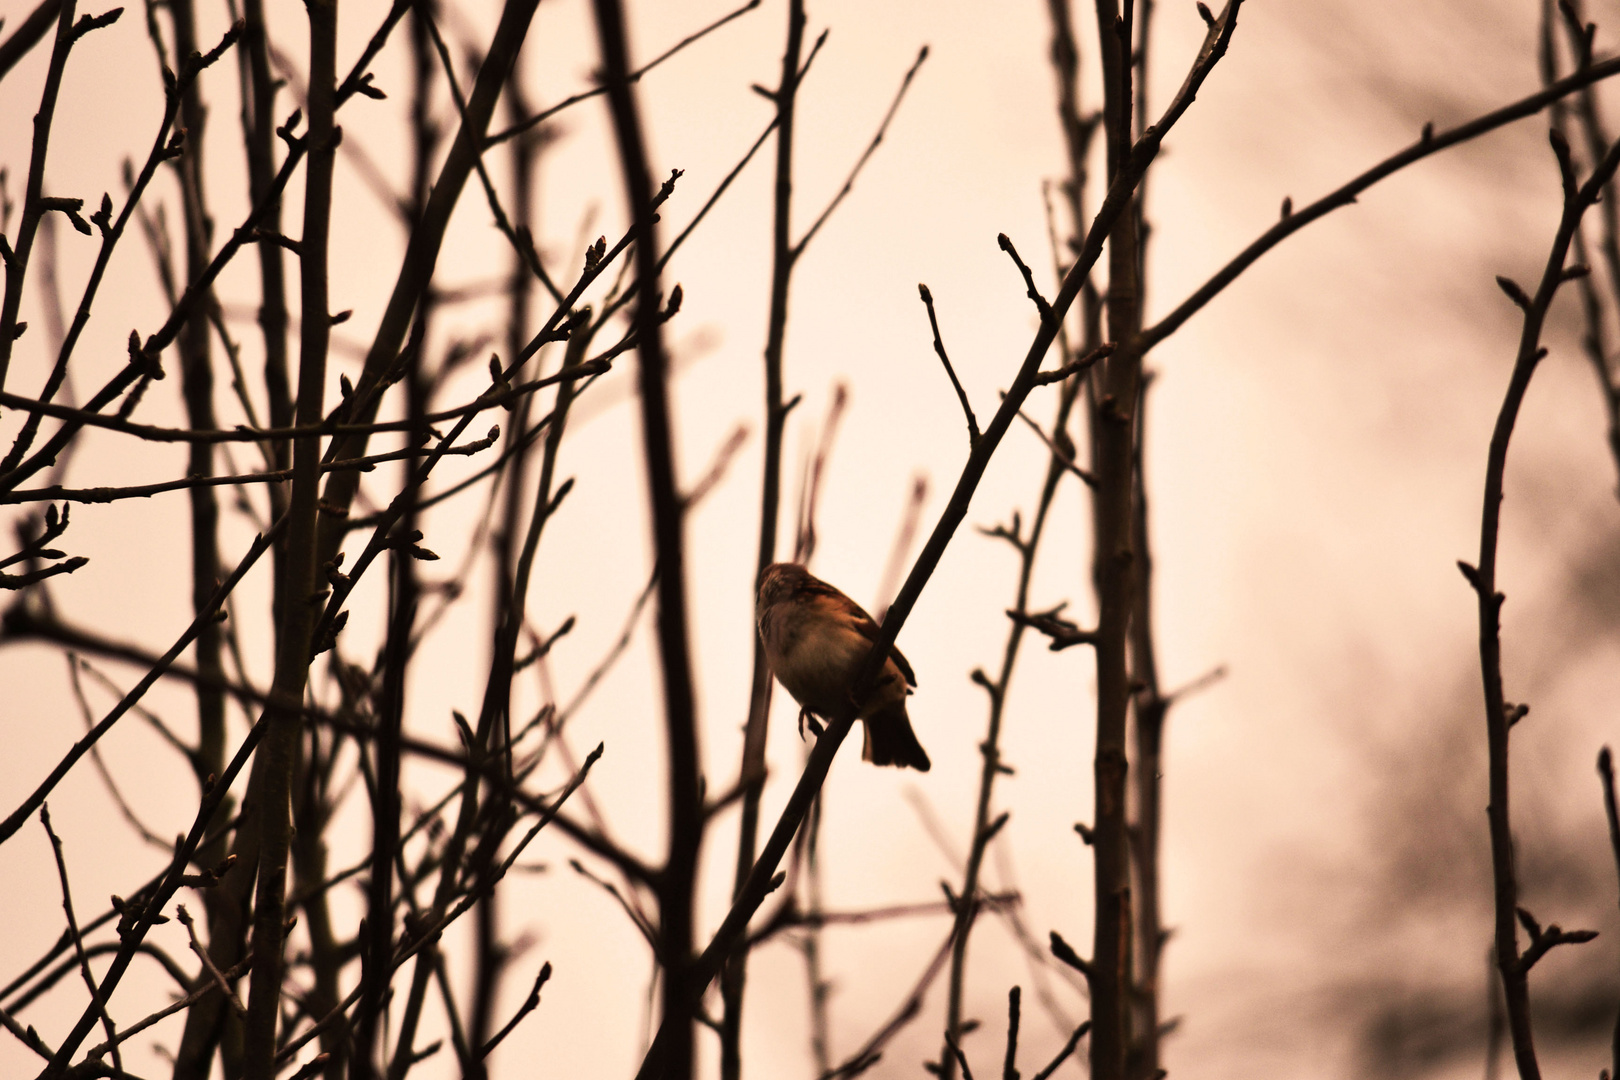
<point x="890" y="740"/>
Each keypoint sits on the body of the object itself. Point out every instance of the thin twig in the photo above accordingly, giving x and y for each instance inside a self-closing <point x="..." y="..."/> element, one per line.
<point x="1009" y="1067"/>
<point x="717" y="468"/>
<point x="189" y="483"/>
<point x="97" y="1001"/>
<point x="903" y="539"/>
<point x="805" y="536"/>
<point x="1063" y="1055"/>
<point x="431" y="930"/>
<point x="643" y="926"/>
<point x="1076" y="366"/>
<point x="1063" y="455"/>
<point x="1513" y="967"/>
<point x="1041" y="305"/>
<point x="955" y="1050"/>
<point x="522" y="243"/>
<point x="27" y="1036"/>
<point x="866" y="155"/>
<point x="530" y="1003"/>
<point x="180" y="1005"/>
<point x="635" y="76"/>
<point x="956" y="384"/>
<point x="872" y="1050"/>
<point x="791" y="918"/>
<point x="619" y="302"/>
<point x="11" y="824"/>
<point x="1430" y="142"/>
<point x="502" y="397"/>
<point x="214" y="974"/>
<point x="107" y="781"/>
<point x="620" y="644"/>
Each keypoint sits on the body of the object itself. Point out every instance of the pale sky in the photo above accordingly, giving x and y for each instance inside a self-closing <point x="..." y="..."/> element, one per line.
<point x="1316" y="458"/>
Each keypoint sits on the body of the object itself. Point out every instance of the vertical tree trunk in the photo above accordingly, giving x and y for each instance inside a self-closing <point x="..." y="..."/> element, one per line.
<point x="677" y="883"/>
<point x="1113" y="574"/>
<point x="278" y="752"/>
<point x="734" y="978"/>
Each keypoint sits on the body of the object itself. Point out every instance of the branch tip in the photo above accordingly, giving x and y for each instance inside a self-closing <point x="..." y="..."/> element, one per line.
<point x="1514" y="291"/>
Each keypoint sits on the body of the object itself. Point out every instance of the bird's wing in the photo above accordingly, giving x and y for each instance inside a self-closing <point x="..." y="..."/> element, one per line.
<point x="869" y="630"/>
<point x="860" y="621"/>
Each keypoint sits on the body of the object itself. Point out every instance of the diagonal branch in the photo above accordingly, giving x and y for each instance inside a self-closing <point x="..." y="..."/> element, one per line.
<point x="866" y="155"/>
<point x="1430" y="142"/>
<point x="10" y="825"/>
<point x="96" y="997"/>
<point x="956" y="384"/>
<point x="634" y="77"/>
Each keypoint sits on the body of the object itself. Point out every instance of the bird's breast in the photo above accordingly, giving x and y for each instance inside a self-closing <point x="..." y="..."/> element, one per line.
<point x="817" y="659"/>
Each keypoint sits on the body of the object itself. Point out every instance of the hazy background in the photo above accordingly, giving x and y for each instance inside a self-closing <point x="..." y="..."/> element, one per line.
<point x="1316" y="461"/>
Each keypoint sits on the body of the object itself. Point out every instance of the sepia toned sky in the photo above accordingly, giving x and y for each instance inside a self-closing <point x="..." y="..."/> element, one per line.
<point x="1315" y="460"/>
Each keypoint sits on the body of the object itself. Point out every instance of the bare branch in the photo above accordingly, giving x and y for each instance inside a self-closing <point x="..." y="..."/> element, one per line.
<point x="1498" y="719"/>
<point x="1429" y="143"/>
<point x="866" y="155"/>
<point x="956" y="384"/>
<point x="261" y="544"/>
<point x="634" y="76"/>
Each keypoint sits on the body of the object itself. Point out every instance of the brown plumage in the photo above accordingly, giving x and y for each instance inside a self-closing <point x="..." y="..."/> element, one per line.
<point x="815" y="638"/>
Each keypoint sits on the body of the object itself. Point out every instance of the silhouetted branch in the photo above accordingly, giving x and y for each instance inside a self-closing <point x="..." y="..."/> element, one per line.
<point x="530" y="1003"/>
<point x="1543" y="941"/>
<point x="96" y="999"/>
<point x="678" y="880"/>
<point x="1009" y="1067"/>
<point x="502" y="397"/>
<point x="956" y="384"/>
<point x="34" y="801"/>
<point x="29" y="34"/>
<point x="1063" y="1055"/>
<point x="634" y="76"/>
<point x="1483" y="580"/>
<point x="1063" y="454"/>
<point x="1061" y="631"/>
<point x="1430" y="142"/>
<point x="429" y="930"/>
<point x="872" y="1050"/>
<point x="15" y="255"/>
<point x="866" y="155"/>
<point x="1041" y="306"/>
<point x="143" y="491"/>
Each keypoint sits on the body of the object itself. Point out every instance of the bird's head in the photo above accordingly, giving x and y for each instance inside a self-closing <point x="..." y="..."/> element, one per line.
<point x="781" y="581"/>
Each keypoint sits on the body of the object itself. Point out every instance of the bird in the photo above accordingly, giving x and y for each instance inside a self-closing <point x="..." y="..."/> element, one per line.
<point x="815" y="639"/>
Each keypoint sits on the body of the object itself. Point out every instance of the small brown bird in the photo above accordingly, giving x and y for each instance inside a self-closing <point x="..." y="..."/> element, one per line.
<point x="815" y="638"/>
